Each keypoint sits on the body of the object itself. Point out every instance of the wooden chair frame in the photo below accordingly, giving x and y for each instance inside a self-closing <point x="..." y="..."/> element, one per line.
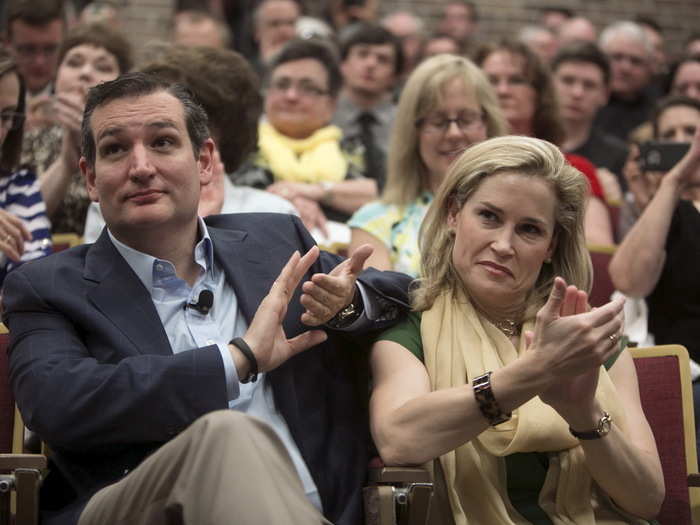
<point x="691" y="458"/>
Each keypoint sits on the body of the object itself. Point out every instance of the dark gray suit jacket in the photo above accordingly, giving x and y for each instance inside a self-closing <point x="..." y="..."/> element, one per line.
<point x="95" y="377"/>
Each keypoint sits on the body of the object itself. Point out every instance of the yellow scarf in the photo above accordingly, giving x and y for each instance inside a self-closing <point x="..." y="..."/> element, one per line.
<point x="458" y="346"/>
<point x="314" y="159"/>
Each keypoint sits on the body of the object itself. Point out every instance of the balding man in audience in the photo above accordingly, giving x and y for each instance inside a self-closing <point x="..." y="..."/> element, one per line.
<point x="411" y="31"/>
<point x="275" y="25"/>
<point x="198" y="28"/>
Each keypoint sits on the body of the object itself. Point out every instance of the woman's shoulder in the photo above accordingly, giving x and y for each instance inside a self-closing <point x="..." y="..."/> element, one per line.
<point x="406" y="333"/>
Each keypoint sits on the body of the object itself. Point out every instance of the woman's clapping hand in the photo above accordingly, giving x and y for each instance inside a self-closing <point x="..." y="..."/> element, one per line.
<point x="573" y="341"/>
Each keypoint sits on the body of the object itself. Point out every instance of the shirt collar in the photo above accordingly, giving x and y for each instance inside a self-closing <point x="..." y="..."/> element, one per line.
<point x="143" y="264"/>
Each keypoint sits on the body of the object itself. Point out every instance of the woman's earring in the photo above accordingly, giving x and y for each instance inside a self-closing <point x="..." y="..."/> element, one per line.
<point x="548" y="260"/>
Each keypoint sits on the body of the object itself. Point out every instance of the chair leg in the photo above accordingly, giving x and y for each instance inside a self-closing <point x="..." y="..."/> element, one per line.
<point x="28" y="482"/>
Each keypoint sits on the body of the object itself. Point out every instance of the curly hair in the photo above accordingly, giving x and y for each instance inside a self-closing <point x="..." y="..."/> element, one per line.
<point x="99" y="35"/>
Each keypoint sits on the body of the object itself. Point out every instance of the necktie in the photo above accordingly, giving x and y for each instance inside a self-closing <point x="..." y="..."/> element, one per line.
<point x="373" y="157"/>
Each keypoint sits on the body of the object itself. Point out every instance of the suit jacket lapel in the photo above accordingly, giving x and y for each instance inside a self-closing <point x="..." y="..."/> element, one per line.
<point x="121" y="297"/>
<point x="247" y="265"/>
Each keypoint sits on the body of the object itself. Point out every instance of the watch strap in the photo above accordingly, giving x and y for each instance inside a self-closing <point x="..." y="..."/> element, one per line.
<point x="601" y="430"/>
<point x="252" y="376"/>
<point x="489" y="407"/>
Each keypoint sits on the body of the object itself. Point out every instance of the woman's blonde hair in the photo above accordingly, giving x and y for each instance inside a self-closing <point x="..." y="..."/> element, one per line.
<point x="406" y="172"/>
<point x="526" y="156"/>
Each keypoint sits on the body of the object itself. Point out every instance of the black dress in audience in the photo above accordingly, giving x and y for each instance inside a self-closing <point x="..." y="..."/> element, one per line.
<point x="605" y="151"/>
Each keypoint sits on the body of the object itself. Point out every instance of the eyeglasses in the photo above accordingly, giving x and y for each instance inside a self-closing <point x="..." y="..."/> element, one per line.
<point x="441" y="123"/>
<point x="27" y="51"/>
<point x="11" y="120"/>
<point x="304" y="87"/>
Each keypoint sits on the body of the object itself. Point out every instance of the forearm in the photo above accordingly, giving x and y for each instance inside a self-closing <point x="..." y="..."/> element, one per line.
<point x="638" y="261"/>
<point x="54" y="183"/>
<point x="431" y="425"/>
<point x="622" y="470"/>
<point x="349" y="195"/>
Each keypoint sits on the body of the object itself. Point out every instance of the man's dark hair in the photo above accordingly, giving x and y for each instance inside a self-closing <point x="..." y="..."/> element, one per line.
<point x="585" y="52"/>
<point x="371" y="34"/>
<point x="299" y="49"/>
<point x="138" y="85"/>
<point x="99" y="35"/>
<point x="34" y="12"/>
<point x="670" y="102"/>
<point x="227" y="88"/>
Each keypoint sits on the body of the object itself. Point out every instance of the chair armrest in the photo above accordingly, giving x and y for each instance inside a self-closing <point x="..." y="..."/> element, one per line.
<point x="26" y="461"/>
<point x="397" y="495"/>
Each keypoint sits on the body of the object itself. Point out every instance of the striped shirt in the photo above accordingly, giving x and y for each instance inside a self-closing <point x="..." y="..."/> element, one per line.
<point x="20" y="196"/>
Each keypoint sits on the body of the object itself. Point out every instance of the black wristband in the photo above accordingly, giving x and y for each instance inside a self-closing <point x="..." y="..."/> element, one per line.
<point x="252" y="376"/>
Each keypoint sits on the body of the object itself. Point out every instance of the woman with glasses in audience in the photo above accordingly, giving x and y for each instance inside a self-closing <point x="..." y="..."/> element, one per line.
<point x="301" y="156"/>
<point x="528" y="100"/>
<point x="88" y="56"/>
<point x="525" y="397"/>
<point x="24" y="229"/>
<point x="446" y="105"/>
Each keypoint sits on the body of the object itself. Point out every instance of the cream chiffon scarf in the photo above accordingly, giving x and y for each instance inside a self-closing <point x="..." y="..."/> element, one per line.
<point x="459" y="346"/>
<point x="315" y="159"/>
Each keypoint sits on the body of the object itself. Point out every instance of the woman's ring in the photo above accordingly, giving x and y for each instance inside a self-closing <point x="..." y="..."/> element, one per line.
<point x="613" y="338"/>
<point x="8" y="237"/>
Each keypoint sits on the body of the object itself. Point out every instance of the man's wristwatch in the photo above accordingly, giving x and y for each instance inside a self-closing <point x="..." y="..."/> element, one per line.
<point x="601" y="430"/>
<point x="347" y="315"/>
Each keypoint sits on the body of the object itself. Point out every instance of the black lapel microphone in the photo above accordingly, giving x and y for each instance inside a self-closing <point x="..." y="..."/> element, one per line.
<point x="204" y="302"/>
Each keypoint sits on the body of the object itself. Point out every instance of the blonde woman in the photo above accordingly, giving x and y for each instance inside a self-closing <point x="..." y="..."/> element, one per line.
<point x="502" y="372"/>
<point x="446" y="105"/>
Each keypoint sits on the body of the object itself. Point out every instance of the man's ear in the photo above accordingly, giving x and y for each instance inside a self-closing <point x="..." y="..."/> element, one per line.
<point x="205" y="162"/>
<point x="88" y="172"/>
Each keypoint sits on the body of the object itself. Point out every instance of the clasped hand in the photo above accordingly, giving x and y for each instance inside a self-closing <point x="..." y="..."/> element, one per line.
<point x="323" y="296"/>
<point x="572" y="341"/>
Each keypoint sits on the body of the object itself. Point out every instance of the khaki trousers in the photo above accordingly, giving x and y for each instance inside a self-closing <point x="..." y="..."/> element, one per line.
<point x="225" y="468"/>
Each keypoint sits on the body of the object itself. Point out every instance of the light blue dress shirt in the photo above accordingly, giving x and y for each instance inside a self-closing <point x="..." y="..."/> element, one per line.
<point x="187" y="328"/>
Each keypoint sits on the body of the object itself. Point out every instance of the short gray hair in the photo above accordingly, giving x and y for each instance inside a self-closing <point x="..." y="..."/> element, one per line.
<point x="628" y="29"/>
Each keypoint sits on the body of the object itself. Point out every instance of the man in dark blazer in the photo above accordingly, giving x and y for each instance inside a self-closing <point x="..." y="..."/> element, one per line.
<point x="117" y="358"/>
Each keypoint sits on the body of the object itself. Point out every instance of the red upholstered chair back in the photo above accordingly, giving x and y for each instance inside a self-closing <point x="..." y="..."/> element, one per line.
<point x="7" y="402"/>
<point x="666" y="394"/>
<point x="603" y="286"/>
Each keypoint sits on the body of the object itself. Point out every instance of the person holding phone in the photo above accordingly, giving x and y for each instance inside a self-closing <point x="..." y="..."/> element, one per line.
<point x="658" y="258"/>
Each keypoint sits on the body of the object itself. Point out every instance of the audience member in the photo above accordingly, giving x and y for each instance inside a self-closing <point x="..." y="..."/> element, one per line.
<point x="275" y="25"/>
<point x="527" y="96"/>
<point x="459" y="20"/>
<point x="439" y="44"/>
<point x="411" y="32"/>
<point x="371" y="59"/>
<point x="658" y="258"/>
<point x="524" y="397"/>
<point x="35" y="29"/>
<point x="199" y="28"/>
<point x="581" y="76"/>
<point x="301" y="156"/>
<point x="88" y="55"/>
<point x="540" y="40"/>
<point x="24" y="229"/>
<point x="229" y="91"/>
<point x="674" y="120"/>
<point x="345" y="13"/>
<point x="577" y="29"/>
<point x="120" y="330"/>
<point x="631" y="57"/>
<point x="446" y="105"/>
<point x="685" y="77"/>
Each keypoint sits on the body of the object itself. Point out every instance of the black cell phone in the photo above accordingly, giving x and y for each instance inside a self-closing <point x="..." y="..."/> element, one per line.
<point x="661" y="156"/>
